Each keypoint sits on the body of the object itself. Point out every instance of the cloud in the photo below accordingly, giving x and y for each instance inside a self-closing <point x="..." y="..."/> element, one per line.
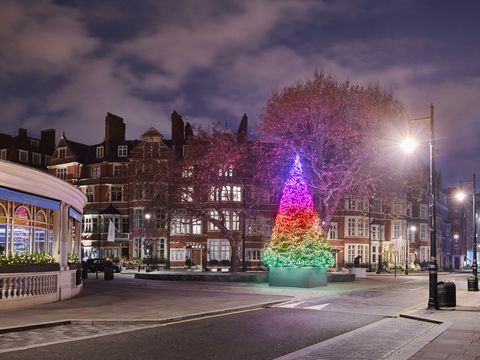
<point x="39" y="36"/>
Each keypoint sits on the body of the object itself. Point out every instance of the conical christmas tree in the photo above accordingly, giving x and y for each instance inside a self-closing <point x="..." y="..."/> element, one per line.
<point x="297" y="238"/>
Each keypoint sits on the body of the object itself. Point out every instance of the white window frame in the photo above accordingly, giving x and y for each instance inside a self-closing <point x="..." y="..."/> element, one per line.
<point x="356" y="226"/>
<point x="90" y="193"/>
<point x="177" y="254"/>
<point x="23" y="153"/>
<point x="122" y="151"/>
<point x="36" y="159"/>
<point x="96" y="172"/>
<point x="424" y="233"/>
<point x="137" y="218"/>
<point x="333" y="231"/>
<point x="254" y="254"/>
<point x="99" y="151"/>
<point x="61" y="173"/>
<point x="423" y="211"/>
<point x="116" y="187"/>
<point x="3" y="154"/>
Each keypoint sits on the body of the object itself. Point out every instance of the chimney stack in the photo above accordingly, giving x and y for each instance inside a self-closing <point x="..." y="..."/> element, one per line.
<point x="47" y="141"/>
<point x="114" y="133"/>
<point x="178" y="132"/>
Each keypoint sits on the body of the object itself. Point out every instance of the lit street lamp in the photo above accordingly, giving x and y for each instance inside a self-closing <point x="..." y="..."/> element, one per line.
<point x="472" y="283"/>
<point x="408" y="146"/>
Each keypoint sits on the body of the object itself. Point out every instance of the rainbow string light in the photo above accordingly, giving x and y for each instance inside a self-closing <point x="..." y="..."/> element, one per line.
<point x="297" y="238"/>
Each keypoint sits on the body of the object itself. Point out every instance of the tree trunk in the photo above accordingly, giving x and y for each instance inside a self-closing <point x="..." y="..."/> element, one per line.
<point x="234" y="263"/>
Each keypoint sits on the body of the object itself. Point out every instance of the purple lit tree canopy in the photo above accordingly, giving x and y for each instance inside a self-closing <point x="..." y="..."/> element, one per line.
<point x="334" y="127"/>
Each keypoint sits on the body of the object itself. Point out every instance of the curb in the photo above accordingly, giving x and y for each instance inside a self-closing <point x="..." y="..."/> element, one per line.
<point x="147" y="322"/>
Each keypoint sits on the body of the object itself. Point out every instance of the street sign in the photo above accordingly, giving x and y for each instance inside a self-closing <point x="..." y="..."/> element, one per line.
<point x="396" y="253"/>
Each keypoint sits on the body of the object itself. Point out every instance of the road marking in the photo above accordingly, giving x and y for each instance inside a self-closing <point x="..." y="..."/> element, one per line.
<point x="291" y="305"/>
<point x="416" y="288"/>
<point x="317" y="307"/>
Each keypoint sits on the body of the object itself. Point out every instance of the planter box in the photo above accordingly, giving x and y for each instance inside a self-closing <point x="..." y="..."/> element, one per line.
<point x="28" y="268"/>
<point x="298" y="277"/>
<point x="359" y="272"/>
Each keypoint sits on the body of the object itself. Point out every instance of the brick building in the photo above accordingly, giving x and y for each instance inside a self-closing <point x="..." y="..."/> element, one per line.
<point x="26" y="150"/>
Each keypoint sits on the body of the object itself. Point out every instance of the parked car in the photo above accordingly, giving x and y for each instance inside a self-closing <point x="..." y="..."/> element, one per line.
<point x="94" y="265"/>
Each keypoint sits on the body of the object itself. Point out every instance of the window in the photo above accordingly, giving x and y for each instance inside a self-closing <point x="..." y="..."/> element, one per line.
<point x="224" y="250"/>
<point x="423" y="211"/>
<point x="117" y="171"/>
<point x="177" y="254"/>
<point x="254" y="226"/>
<point x="377" y="232"/>
<point x="187" y="172"/>
<point x="160" y="219"/>
<point x="196" y="227"/>
<point x="62" y="153"/>
<point x="357" y="226"/>
<point x="122" y="151"/>
<point x="125" y="227"/>
<point x="214" y="215"/>
<point x="35" y="143"/>
<point x="116" y="193"/>
<point x="254" y="255"/>
<point x="333" y="231"/>
<point x="87" y="224"/>
<point x="187" y="194"/>
<point x="183" y="225"/>
<point x="350" y="203"/>
<point x="236" y="193"/>
<point x="96" y="172"/>
<point x="47" y="160"/>
<point x="89" y="191"/>
<point x="226" y="171"/>
<point x="61" y="173"/>
<point x="36" y="159"/>
<point x="213" y="250"/>
<point x="137" y="218"/>
<point x="3" y="154"/>
<point x="377" y="207"/>
<point x="23" y="156"/>
<point x="397" y="228"/>
<point x="99" y="152"/>
<point x="424" y="254"/>
<point x="423" y="232"/>
<point x="356" y="250"/>
<point x="267" y="227"/>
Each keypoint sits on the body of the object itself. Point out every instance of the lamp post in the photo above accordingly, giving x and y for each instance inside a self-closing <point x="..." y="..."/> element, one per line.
<point x="472" y="284"/>
<point x="408" y="146"/>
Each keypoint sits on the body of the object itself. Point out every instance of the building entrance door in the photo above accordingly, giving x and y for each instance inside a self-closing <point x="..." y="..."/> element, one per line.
<point x="456" y="261"/>
<point x="197" y="256"/>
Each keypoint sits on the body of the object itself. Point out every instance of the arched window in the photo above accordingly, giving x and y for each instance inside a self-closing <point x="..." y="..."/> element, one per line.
<point x="40" y="232"/>
<point x="21" y="231"/>
<point x="3" y="229"/>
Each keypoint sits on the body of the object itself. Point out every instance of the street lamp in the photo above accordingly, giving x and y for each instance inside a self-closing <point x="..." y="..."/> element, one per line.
<point x="408" y="146"/>
<point x="472" y="284"/>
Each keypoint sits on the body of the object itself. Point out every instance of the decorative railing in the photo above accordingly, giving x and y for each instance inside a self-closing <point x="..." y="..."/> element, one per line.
<point x="27" y="285"/>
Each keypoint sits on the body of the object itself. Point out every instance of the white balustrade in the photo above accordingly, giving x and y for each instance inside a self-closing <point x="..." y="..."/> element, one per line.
<point x="27" y="285"/>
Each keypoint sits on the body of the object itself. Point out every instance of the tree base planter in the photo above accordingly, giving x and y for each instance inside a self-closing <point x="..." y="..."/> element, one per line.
<point x="359" y="272"/>
<point x="298" y="277"/>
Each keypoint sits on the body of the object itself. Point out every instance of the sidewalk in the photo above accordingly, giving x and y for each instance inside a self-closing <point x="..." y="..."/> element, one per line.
<point x="461" y="340"/>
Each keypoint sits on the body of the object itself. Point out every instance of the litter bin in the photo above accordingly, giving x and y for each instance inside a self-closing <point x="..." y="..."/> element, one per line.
<point x="472" y="283"/>
<point x="78" y="277"/>
<point x="446" y="294"/>
<point x="108" y="271"/>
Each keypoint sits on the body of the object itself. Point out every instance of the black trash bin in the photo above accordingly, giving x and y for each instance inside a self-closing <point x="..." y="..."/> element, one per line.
<point x="78" y="277"/>
<point x="108" y="271"/>
<point x="446" y="293"/>
<point x="472" y="283"/>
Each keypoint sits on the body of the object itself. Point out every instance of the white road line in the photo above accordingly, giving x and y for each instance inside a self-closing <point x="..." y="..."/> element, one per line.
<point x="291" y="305"/>
<point x="317" y="307"/>
<point x="416" y="289"/>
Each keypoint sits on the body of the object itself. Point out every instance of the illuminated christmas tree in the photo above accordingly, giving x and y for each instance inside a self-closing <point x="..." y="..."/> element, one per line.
<point x="297" y="238"/>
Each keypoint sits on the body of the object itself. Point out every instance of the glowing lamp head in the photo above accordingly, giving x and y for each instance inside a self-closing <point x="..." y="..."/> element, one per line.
<point x="460" y="196"/>
<point x="148" y="216"/>
<point x="408" y="145"/>
<point x="413" y="228"/>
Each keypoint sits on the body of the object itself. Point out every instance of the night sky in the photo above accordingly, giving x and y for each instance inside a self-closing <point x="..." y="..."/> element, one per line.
<point x="66" y="64"/>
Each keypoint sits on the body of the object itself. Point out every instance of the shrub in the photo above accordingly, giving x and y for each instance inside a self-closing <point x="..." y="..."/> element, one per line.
<point x="26" y="259"/>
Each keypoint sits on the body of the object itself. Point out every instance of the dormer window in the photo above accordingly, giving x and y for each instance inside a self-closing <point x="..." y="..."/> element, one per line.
<point x="62" y="152"/>
<point x="99" y="152"/>
<point x="122" y="151"/>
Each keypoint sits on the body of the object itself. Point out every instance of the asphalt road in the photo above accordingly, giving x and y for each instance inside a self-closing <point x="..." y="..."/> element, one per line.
<point x="257" y="334"/>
